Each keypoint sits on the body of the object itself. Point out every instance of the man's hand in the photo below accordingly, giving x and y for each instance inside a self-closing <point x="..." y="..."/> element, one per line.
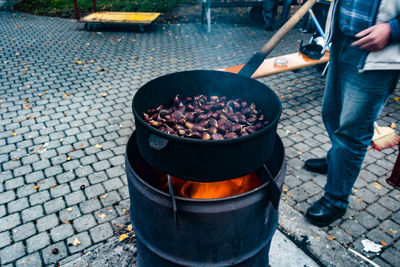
<point x="374" y="38"/>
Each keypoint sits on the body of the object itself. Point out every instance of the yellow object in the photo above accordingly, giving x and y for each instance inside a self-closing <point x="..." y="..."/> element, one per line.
<point x="122" y="17"/>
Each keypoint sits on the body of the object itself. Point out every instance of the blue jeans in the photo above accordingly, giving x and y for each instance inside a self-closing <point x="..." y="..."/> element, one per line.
<point x="351" y="103"/>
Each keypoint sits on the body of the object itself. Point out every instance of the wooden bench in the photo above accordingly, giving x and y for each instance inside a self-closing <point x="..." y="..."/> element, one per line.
<point x="295" y="61"/>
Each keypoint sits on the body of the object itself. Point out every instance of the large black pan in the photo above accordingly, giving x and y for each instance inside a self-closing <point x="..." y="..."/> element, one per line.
<point x="209" y="161"/>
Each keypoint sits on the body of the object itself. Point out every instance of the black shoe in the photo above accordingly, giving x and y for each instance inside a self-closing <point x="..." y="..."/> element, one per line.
<point x="323" y="213"/>
<point x="316" y="165"/>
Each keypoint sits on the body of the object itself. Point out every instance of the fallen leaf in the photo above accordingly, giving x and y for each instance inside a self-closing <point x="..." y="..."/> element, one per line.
<point x="76" y="242"/>
<point x="66" y="221"/>
<point x="379" y="186"/>
<point x="331" y="238"/>
<point x="129" y="228"/>
<point x="61" y="140"/>
<point x="65" y="96"/>
<point x="99" y="146"/>
<point x="396" y="98"/>
<point x="68" y="158"/>
<point x="123" y="237"/>
<point x="124" y="210"/>
<point x="100" y="69"/>
<point x="91" y="61"/>
<point x="69" y="209"/>
<point x="285" y="190"/>
<point x="393" y="125"/>
<point x="102" y="216"/>
<point x="14" y="134"/>
<point x="54" y="185"/>
<point x="171" y="60"/>
<point x="104" y="196"/>
<point x="79" y="62"/>
<point x="36" y="187"/>
<point x="393" y="231"/>
<point x="104" y="94"/>
<point x="133" y="40"/>
<point x="300" y="153"/>
<point x="383" y="243"/>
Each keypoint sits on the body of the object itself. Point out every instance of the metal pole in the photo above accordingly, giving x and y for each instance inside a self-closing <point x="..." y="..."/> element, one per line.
<point x="76" y="10"/>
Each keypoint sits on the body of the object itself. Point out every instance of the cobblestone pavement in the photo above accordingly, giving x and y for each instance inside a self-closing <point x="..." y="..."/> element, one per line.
<point x="65" y="117"/>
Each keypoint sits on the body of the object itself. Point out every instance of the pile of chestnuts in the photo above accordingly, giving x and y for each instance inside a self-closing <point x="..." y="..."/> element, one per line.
<point x="207" y="118"/>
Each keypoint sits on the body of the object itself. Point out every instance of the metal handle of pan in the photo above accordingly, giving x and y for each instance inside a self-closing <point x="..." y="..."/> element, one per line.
<point x="156" y="142"/>
<point x="257" y="59"/>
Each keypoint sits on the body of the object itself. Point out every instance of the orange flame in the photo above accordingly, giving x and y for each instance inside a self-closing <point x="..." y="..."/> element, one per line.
<point x="202" y="190"/>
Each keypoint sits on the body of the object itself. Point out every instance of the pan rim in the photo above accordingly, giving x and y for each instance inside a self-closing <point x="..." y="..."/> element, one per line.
<point x="155" y="131"/>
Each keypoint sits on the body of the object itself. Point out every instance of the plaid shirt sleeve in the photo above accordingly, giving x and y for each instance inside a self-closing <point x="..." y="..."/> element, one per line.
<point x="395" y="27"/>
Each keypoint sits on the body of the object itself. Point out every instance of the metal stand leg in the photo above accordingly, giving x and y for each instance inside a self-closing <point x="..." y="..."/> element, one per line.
<point x="325" y="69"/>
<point x="208" y="15"/>
<point x="171" y="192"/>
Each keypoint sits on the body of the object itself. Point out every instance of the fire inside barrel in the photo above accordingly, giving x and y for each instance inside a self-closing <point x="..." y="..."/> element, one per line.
<point x="207" y="118"/>
<point x="203" y="190"/>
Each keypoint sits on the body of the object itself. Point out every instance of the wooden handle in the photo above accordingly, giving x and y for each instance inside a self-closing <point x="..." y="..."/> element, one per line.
<point x="278" y="36"/>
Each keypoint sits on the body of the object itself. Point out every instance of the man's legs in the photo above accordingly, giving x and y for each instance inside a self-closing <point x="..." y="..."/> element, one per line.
<point x="352" y="102"/>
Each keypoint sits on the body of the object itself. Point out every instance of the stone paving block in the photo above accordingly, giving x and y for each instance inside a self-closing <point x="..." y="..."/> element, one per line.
<point x="9" y="222"/>
<point x="65" y="177"/>
<point x="366" y="195"/>
<point x="7" y="196"/>
<point x="69" y="213"/>
<point x="11" y="253"/>
<point x="115" y="172"/>
<point x="391" y="228"/>
<point x="97" y="177"/>
<point x="30" y="260"/>
<point x="54" y="205"/>
<point x="381" y="262"/>
<point x="84" y="240"/>
<point x="389" y="203"/>
<point x="110" y="198"/>
<point x="94" y="190"/>
<point x="40" y="165"/>
<point x="19" y="171"/>
<point x="14" y="183"/>
<point x="101" y="232"/>
<point x="39" y="198"/>
<point x="392" y="256"/>
<point x="83" y="171"/>
<point x="52" y="171"/>
<point x="124" y="192"/>
<point x="17" y="205"/>
<point x="112" y="184"/>
<point x="49" y="257"/>
<point x="71" y="165"/>
<point x="47" y="222"/>
<point x="101" y="165"/>
<point x="37" y="242"/>
<point x="88" y="160"/>
<point x="377" y="236"/>
<point x="75" y="198"/>
<point x="34" y="177"/>
<point x="378" y="211"/>
<point x="32" y="213"/>
<point x="46" y="183"/>
<point x="367" y="220"/>
<point x="23" y="231"/>
<point x="84" y="223"/>
<point x="89" y="205"/>
<point x="105" y="214"/>
<point x="61" y="232"/>
<point x="5" y="239"/>
<point x="59" y="190"/>
<point x="354" y="228"/>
